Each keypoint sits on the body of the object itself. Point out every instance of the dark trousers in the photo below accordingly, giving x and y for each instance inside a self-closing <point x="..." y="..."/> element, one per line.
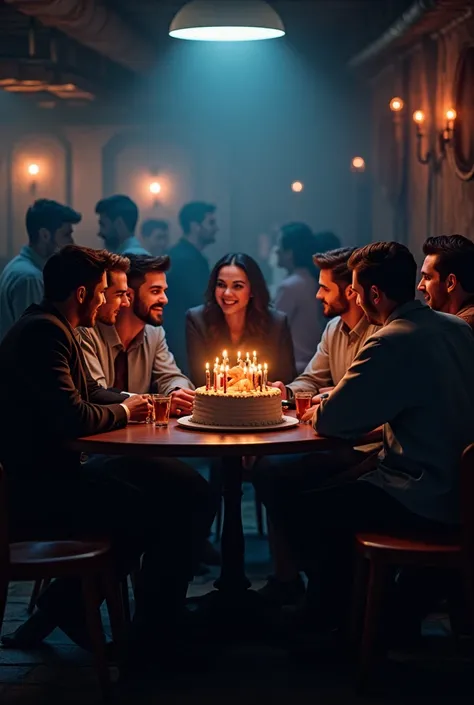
<point x="161" y="509"/>
<point x="320" y="524"/>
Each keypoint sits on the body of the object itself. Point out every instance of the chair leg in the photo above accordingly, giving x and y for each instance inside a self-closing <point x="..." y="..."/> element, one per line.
<point x="259" y="512"/>
<point x="358" y="601"/>
<point x="3" y="598"/>
<point x="377" y="579"/>
<point x="115" y="609"/>
<point x="96" y="632"/>
<point x="37" y="587"/>
<point x="468" y="581"/>
<point x="125" y="599"/>
<point x="219" y="518"/>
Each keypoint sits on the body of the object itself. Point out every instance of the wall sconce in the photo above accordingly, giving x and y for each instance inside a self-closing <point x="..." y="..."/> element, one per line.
<point x="358" y="165"/>
<point x="396" y="106"/>
<point x="155" y="190"/>
<point x="33" y="171"/>
<point x="297" y="186"/>
<point x="444" y="137"/>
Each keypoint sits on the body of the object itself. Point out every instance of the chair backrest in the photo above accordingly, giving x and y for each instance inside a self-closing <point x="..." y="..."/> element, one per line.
<point x="4" y="543"/>
<point x="467" y="500"/>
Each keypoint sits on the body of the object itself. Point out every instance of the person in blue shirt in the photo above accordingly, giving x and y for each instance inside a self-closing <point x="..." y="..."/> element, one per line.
<point x="118" y="218"/>
<point x="49" y="225"/>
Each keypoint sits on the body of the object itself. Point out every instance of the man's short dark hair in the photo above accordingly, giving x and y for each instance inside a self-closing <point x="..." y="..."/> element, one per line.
<point x="49" y="215"/>
<point x="141" y="265"/>
<point x="455" y="255"/>
<point x="119" y="206"/>
<point x="337" y="261"/>
<point x="194" y="212"/>
<point x="74" y="266"/>
<point x="390" y="266"/>
<point x="149" y="226"/>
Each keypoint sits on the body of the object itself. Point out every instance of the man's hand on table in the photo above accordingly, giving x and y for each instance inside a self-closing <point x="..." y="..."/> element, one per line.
<point x="139" y="406"/>
<point x="281" y="387"/>
<point x="315" y="402"/>
<point x="182" y="402"/>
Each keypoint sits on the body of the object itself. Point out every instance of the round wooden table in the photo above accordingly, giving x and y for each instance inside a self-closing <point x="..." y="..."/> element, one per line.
<point x="148" y="441"/>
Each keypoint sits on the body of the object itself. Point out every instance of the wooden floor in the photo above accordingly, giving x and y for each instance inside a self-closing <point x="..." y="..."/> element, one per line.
<point x="247" y="673"/>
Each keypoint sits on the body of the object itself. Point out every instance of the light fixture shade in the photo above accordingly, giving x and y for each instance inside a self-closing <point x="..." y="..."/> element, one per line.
<point x="230" y="21"/>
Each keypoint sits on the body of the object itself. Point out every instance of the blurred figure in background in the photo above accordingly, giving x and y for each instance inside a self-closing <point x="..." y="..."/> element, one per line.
<point x="296" y="295"/>
<point x="49" y="226"/>
<point x="156" y="236"/>
<point x="327" y="240"/>
<point x="189" y="273"/>
<point x="118" y="218"/>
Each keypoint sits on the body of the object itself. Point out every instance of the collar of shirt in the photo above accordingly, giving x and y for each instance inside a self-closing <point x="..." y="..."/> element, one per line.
<point x="28" y="253"/>
<point x="468" y="304"/>
<point x="359" y="329"/>
<point x="132" y="245"/>
<point x="112" y="338"/>
<point x="402" y="310"/>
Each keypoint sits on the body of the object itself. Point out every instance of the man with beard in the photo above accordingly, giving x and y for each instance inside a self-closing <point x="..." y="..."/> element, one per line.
<point x="415" y="376"/>
<point x="447" y="275"/>
<point x="53" y="493"/>
<point x="343" y="337"/>
<point x="49" y="226"/>
<point x="128" y="352"/>
<point x="189" y="273"/>
<point x="118" y="218"/>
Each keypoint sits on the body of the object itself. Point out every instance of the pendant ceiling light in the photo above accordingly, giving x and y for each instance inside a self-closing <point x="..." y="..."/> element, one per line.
<point x="227" y="21"/>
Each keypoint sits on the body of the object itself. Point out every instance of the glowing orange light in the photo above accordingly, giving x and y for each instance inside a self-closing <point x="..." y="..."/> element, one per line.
<point x="33" y="169"/>
<point x="396" y="104"/>
<point x="297" y="186"/>
<point x="155" y="187"/>
<point x="358" y="164"/>
<point x="451" y="114"/>
<point x="419" y="117"/>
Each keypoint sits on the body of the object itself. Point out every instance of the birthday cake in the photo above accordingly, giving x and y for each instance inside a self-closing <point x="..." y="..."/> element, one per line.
<point x="242" y="401"/>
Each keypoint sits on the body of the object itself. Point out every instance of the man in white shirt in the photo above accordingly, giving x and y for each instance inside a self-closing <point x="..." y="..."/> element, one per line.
<point x="415" y="376"/>
<point x="49" y="226"/>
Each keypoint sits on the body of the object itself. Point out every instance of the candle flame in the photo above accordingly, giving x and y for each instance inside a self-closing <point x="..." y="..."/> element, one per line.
<point x="265" y="366"/>
<point x="207" y="365"/>
<point x="224" y="353"/>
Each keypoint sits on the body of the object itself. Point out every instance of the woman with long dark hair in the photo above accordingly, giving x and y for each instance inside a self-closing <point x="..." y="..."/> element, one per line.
<point x="237" y="317"/>
<point x="296" y="295"/>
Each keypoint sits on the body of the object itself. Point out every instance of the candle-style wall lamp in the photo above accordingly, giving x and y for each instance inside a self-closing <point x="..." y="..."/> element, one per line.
<point x="444" y="137"/>
<point x="33" y="171"/>
<point x="358" y="164"/>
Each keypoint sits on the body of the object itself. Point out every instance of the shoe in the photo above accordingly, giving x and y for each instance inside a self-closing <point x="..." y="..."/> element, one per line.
<point x="210" y="555"/>
<point x="280" y="593"/>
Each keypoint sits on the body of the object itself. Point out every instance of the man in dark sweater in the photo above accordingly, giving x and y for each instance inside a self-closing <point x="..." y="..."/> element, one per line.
<point x="189" y="274"/>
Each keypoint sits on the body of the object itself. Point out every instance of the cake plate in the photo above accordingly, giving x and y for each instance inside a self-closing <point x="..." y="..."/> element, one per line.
<point x="288" y="422"/>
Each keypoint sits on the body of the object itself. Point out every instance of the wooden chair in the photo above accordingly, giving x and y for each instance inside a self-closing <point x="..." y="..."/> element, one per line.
<point x="45" y="560"/>
<point x="385" y="553"/>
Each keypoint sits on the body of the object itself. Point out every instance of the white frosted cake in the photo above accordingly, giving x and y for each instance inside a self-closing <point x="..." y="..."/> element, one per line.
<point x="237" y="408"/>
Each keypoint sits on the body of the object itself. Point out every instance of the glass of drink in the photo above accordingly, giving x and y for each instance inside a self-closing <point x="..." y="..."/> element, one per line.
<point x="162" y="406"/>
<point x="303" y="402"/>
<point x="151" y="414"/>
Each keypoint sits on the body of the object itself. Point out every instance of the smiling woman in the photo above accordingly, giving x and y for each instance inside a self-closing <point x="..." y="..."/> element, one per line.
<point x="237" y="316"/>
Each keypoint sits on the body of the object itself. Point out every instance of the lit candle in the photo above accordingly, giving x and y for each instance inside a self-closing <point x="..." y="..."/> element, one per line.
<point x="247" y="359"/>
<point x="253" y="370"/>
<point x="225" y="359"/>
<point x="265" y="376"/>
<point x="239" y="359"/>
<point x="221" y="376"/>
<point x="208" y="377"/>
<point x="259" y="378"/>
<point x="225" y="378"/>
<point x="216" y="373"/>
<point x="254" y="357"/>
